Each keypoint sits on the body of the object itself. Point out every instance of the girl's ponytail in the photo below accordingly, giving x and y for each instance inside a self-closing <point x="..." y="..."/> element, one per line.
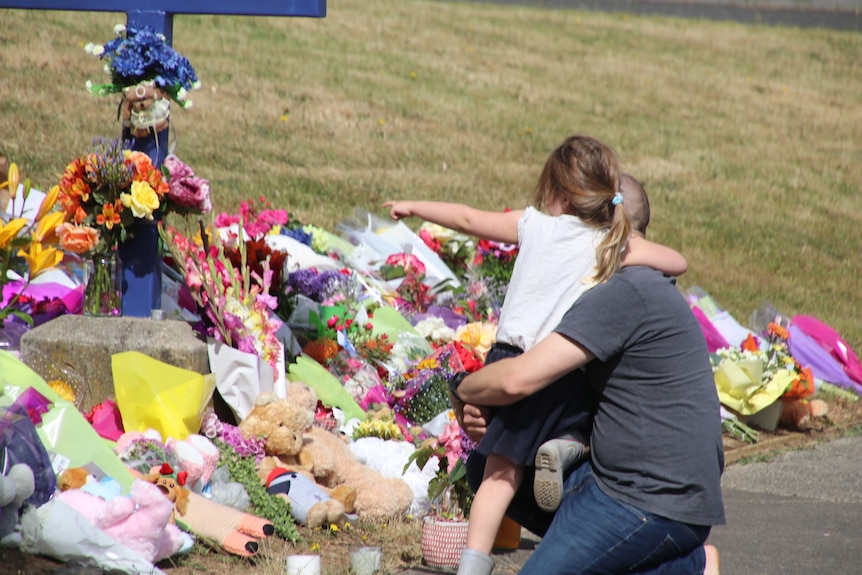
<point x="609" y="253"/>
<point x="584" y="172"/>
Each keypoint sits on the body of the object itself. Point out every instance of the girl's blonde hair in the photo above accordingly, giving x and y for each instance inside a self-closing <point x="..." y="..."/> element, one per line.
<point x="583" y="172"/>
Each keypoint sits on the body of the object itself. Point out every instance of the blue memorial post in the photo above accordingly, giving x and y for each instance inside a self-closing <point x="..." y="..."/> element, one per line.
<point x="141" y="255"/>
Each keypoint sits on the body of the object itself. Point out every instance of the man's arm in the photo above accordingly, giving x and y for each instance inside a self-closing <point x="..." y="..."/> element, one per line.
<point x="494" y="226"/>
<point x="509" y="380"/>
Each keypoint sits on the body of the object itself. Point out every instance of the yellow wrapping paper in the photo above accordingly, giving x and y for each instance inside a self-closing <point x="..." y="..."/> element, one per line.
<point x="741" y="389"/>
<point x="154" y="395"/>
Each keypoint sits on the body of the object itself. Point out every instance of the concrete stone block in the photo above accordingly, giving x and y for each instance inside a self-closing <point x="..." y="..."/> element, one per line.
<point x="78" y="350"/>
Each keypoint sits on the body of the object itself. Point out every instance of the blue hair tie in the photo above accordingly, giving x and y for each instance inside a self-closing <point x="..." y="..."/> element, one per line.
<point x="618" y="199"/>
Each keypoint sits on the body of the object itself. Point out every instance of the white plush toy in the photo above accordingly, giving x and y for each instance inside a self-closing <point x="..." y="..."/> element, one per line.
<point x="389" y="458"/>
<point x="15" y="487"/>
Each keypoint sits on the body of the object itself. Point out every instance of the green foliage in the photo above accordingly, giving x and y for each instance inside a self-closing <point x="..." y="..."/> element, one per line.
<point x="275" y="509"/>
<point x="739" y="430"/>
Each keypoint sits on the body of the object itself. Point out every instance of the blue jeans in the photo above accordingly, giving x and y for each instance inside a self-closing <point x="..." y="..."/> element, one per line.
<point x="593" y="533"/>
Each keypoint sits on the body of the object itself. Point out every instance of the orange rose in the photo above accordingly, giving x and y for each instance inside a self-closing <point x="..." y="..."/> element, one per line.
<point x="139" y="160"/>
<point x="77" y="239"/>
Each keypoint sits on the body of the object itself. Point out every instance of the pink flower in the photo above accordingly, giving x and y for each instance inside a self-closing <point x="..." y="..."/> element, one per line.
<point x="177" y="168"/>
<point x="186" y="189"/>
<point x="451" y="441"/>
<point x="191" y="193"/>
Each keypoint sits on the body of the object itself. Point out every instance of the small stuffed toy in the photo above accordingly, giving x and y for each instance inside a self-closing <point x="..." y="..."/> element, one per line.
<point x="15" y="487"/>
<point x="145" y="109"/>
<point x="310" y="505"/>
<point x="798" y="413"/>
<point x="140" y="521"/>
<point x="74" y="478"/>
<point x="172" y="486"/>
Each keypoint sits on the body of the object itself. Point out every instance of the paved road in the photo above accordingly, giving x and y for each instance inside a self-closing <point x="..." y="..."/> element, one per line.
<point x="830" y="14"/>
<point x="798" y="514"/>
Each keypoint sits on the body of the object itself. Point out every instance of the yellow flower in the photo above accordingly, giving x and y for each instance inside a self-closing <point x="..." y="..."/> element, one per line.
<point x="477" y="336"/>
<point x="46" y="228"/>
<point x="48" y="202"/>
<point x="315" y="547"/>
<point x="63" y="389"/>
<point x="333" y="527"/>
<point x="13" y="180"/>
<point x="10" y="230"/>
<point x="40" y="259"/>
<point x="142" y="200"/>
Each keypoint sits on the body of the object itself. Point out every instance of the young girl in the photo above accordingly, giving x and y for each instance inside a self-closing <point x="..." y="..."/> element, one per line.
<point x="582" y="240"/>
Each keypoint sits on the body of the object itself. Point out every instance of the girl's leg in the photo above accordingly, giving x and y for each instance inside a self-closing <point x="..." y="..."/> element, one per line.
<point x="523" y="508"/>
<point x="499" y="484"/>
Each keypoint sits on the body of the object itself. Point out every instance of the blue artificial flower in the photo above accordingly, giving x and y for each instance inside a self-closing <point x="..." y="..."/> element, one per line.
<point x="297" y="234"/>
<point x="140" y="54"/>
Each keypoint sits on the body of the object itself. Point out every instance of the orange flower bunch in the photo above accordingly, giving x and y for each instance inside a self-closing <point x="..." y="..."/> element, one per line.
<point x="803" y="385"/>
<point x="322" y="350"/>
<point x="103" y="193"/>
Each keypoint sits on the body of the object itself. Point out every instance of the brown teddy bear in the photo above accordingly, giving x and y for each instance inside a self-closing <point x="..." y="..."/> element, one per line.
<point x="145" y="109"/>
<point x="327" y="458"/>
<point x="798" y="413"/>
<point x="282" y="423"/>
<point x="333" y="464"/>
<point x="173" y="487"/>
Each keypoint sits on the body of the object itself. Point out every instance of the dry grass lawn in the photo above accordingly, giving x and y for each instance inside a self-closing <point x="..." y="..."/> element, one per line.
<point x="748" y="139"/>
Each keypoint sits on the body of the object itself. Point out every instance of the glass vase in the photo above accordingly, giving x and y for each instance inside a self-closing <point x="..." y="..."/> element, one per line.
<point x="104" y="280"/>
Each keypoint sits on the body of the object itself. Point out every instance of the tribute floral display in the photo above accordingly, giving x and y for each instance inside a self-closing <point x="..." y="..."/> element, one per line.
<point x="139" y="54"/>
<point x="375" y="337"/>
<point x="752" y="377"/>
<point x="27" y="247"/>
<point x="104" y="194"/>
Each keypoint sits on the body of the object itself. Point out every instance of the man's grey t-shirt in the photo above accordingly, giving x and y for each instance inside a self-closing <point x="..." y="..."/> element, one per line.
<point x="656" y="440"/>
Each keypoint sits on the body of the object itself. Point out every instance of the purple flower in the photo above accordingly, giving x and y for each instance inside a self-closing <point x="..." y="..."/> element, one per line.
<point x="451" y="318"/>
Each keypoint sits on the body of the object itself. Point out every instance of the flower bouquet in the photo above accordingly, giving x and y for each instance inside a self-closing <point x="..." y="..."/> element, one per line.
<point x="25" y="246"/>
<point x="454" y="248"/>
<point x="237" y="312"/>
<point x="752" y="378"/>
<point x="495" y="261"/>
<point x="104" y="195"/>
<point x="148" y="72"/>
<point x="413" y="294"/>
<point x="421" y="393"/>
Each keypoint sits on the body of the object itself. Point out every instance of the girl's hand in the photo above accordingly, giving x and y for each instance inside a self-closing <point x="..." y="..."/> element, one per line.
<point x="473" y="419"/>
<point x="398" y="210"/>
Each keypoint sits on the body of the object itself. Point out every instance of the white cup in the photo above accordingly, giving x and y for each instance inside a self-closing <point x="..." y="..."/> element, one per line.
<point x="364" y="560"/>
<point x="302" y="565"/>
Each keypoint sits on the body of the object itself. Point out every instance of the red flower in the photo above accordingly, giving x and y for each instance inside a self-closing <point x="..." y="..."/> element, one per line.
<point x="469" y="360"/>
